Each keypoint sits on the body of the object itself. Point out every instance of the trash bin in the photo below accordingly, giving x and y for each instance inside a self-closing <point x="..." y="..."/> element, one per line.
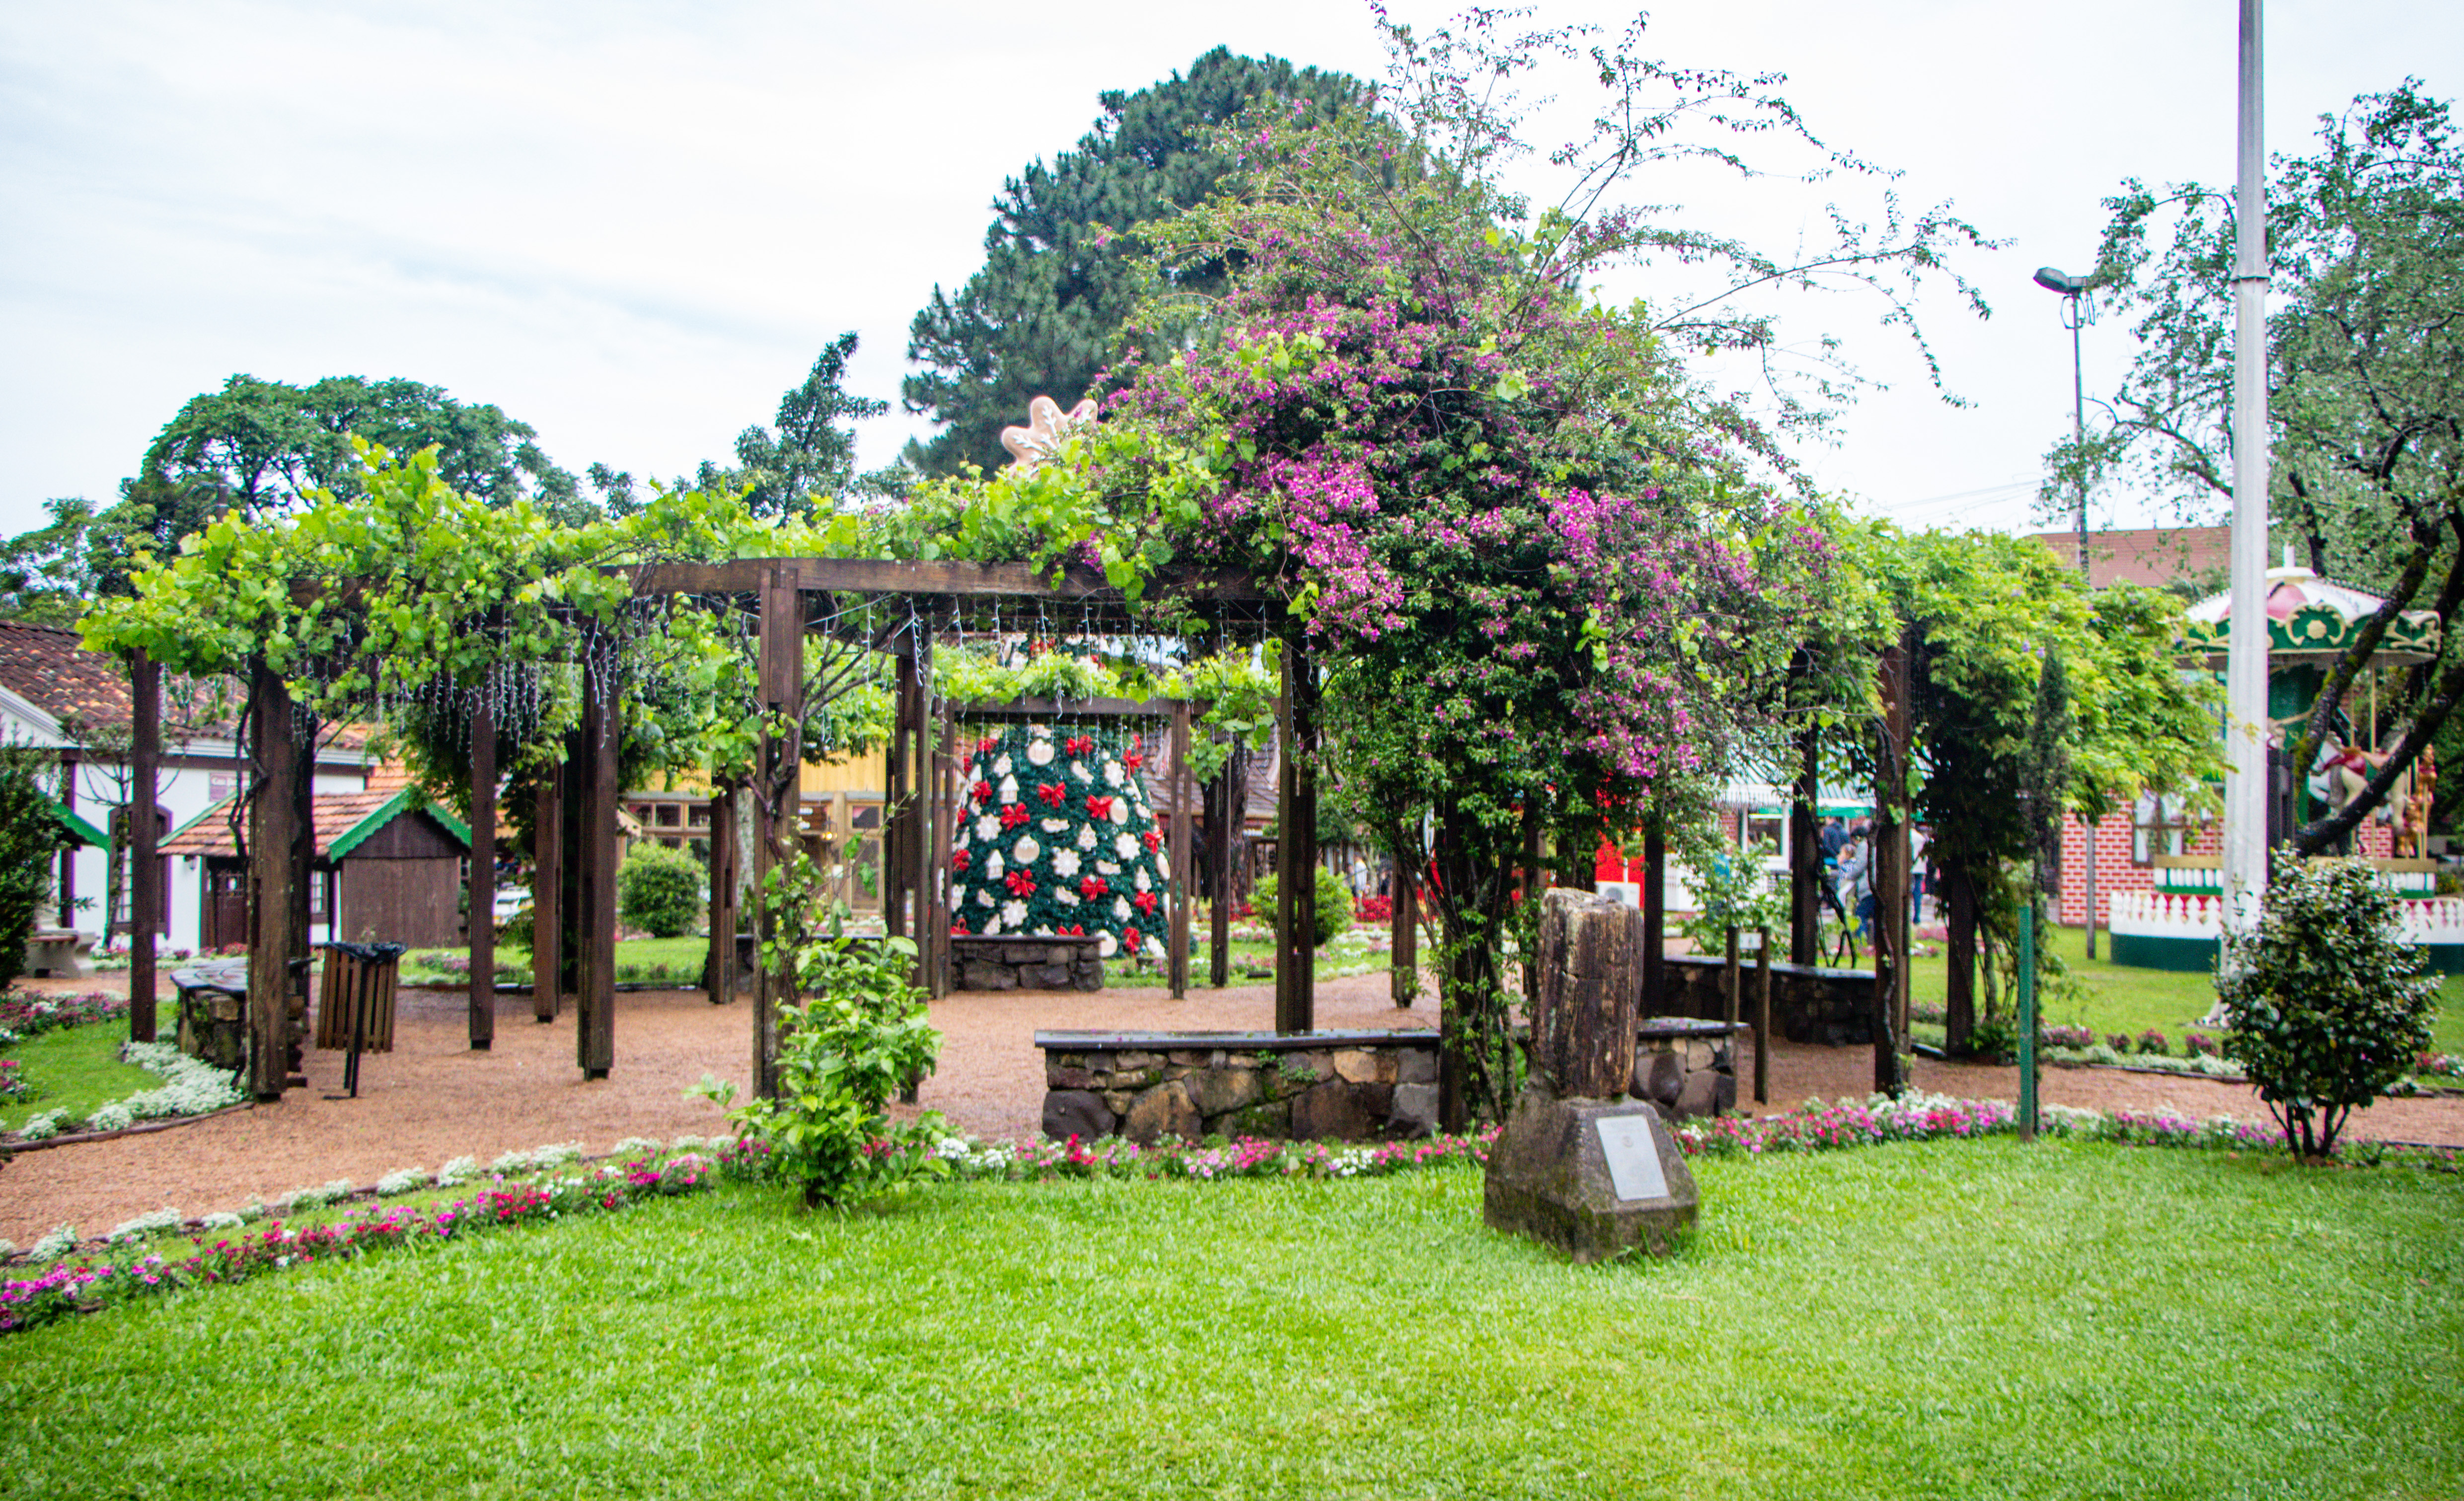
<point x="355" y="1003"/>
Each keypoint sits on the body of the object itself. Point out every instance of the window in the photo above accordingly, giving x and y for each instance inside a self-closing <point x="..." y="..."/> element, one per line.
<point x="670" y="816"/>
<point x="2158" y="826"/>
<point x="697" y="815"/>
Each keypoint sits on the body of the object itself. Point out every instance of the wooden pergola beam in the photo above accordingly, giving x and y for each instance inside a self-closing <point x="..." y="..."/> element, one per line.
<point x="886" y="576"/>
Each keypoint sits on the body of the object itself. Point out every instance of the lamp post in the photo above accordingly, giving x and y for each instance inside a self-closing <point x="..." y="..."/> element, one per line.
<point x="2078" y="308"/>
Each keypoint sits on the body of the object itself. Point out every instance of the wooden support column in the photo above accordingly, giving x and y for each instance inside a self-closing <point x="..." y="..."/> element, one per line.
<point x="1655" y="915"/>
<point x="778" y="798"/>
<point x="1296" y="849"/>
<point x="1403" y="973"/>
<point x="483" y="874"/>
<point x="1762" y="1018"/>
<point x="945" y="827"/>
<point x="145" y="874"/>
<point x="1890" y="876"/>
<point x="1805" y="851"/>
<point x="719" y="963"/>
<point x="547" y="895"/>
<point x="274" y="877"/>
<point x="899" y="792"/>
<point x="1185" y="829"/>
<point x="595" y="1012"/>
<point x="1225" y="828"/>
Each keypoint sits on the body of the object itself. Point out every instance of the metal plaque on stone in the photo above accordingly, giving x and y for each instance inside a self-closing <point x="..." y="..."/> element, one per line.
<point x="1633" y="1155"/>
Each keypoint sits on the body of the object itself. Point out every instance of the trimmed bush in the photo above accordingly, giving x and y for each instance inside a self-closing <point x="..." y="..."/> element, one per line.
<point x="2324" y="1006"/>
<point x="659" y="890"/>
<point x="1333" y="904"/>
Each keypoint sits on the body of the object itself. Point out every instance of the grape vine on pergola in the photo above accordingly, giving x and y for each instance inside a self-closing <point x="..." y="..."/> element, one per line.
<point x="787" y="598"/>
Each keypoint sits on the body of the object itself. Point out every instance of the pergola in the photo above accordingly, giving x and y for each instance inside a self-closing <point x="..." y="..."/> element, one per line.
<point x="788" y="598"/>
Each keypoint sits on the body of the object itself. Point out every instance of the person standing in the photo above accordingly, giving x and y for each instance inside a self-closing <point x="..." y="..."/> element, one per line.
<point x="1855" y="883"/>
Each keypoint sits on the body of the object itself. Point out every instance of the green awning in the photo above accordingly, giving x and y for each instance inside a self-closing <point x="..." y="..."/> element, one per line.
<point x="82" y="832"/>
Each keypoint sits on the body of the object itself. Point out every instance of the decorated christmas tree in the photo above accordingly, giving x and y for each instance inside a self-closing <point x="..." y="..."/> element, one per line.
<point x="1058" y="840"/>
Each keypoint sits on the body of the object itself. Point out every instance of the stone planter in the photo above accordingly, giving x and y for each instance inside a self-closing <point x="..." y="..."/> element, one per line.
<point x="1025" y="964"/>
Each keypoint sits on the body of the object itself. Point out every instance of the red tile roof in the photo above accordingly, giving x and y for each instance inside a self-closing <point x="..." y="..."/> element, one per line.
<point x="336" y="815"/>
<point x="52" y="669"/>
<point x="2150" y="555"/>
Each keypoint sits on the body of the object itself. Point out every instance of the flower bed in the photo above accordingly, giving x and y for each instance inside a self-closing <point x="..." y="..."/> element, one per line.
<point x="190" y="1087"/>
<point x="32" y="1015"/>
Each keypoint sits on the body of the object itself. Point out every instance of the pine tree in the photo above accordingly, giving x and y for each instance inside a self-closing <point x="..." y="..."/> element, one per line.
<point x="1059" y="840"/>
<point x="1060" y="272"/>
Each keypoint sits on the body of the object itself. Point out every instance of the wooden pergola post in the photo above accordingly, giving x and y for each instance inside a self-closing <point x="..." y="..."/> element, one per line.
<point x="1404" y="971"/>
<point x="1184" y="836"/>
<point x="937" y="874"/>
<point x="1890" y="875"/>
<point x="1227" y="820"/>
<point x="483" y="873"/>
<point x="1805" y="851"/>
<point x="595" y="1012"/>
<point x="777" y="803"/>
<point x="1296" y="849"/>
<point x="1655" y="913"/>
<point x="273" y="879"/>
<point x="145" y="876"/>
<point x="547" y="895"/>
<point x="719" y="968"/>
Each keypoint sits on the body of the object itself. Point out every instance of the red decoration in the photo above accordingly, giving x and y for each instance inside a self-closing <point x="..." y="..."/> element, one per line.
<point x="1093" y="887"/>
<point x="983" y="791"/>
<point x="1073" y="931"/>
<point x="985" y="747"/>
<point x="959" y="931"/>
<point x="1078" y="745"/>
<point x="959" y="859"/>
<point x="1053" y="793"/>
<point x="1154" y="840"/>
<point x="1099" y="807"/>
<point x="1144" y="901"/>
<point x="1134" y="759"/>
<point x="1021" y="884"/>
<point x="1013" y="815"/>
<point x="1130" y="939"/>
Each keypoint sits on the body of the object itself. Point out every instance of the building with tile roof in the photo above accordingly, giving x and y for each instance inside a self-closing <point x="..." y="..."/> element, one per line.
<point x="388" y="867"/>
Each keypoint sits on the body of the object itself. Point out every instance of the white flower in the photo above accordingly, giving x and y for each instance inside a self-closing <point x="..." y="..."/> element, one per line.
<point x="461" y="1169"/>
<point x="993" y="866"/>
<point x="1014" y="914"/>
<point x="983" y="897"/>
<point x="1039" y="751"/>
<point x="145" y="1225"/>
<point x="1025" y="850"/>
<point x="222" y="1220"/>
<point x="62" y="1240"/>
<point x="1125" y="845"/>
<point x="1121" y="908"/>
<point x="114" y="1117"/>
<point x="402" y="1179"/>
<point x="1064" y="896"/>
<point x="988" y="828"/>
<point x="1086" y="836"/>
<point x="1004" y="766"/>
<point x="1056" y="825"/>
<point x="1009" y="788"/>
<point x="1111" y="773"/>
<point x="1108" y="945"/>
<point x="1065" y="864"/>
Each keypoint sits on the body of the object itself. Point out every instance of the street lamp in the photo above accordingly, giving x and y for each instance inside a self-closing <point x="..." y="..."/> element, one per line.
<point x="2078" y="308"/>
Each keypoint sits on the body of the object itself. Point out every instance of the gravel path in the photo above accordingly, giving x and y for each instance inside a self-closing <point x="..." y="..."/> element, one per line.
<point x="433" y="1099"/>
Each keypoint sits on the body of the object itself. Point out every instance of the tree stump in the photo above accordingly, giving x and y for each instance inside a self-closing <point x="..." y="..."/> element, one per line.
<point x="1591" y="979"/>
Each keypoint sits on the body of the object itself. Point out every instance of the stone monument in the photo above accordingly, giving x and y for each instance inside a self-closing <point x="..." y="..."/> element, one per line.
<point x="1580" y="1166"/>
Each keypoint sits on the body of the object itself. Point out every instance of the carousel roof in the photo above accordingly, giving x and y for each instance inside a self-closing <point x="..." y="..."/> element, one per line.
<point x="2312" y="618"/>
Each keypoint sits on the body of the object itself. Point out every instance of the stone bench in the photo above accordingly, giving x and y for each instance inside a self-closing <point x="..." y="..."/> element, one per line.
<point x="1026" y="964"/>
<point x="60" y="953"/>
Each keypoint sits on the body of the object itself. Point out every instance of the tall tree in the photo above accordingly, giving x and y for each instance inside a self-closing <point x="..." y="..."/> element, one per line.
<point x="2366" y="368"/>
<point x="1061" y="269"/>
<point x="809" y="463"/>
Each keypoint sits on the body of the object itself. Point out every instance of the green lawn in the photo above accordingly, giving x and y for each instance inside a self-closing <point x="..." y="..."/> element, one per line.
<point x="1951" y="1319"/>
<point x="77" y="1068"/>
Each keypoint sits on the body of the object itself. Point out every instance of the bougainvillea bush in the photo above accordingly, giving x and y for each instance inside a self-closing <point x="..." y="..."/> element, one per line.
<point x="1057" y="839"/>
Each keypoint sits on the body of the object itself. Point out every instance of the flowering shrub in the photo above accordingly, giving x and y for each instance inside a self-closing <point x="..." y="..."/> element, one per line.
<point x="2440" y="1065"/>
<point x="2069" y="1037"/>
<point x="2119" y="1042"/>
<point x="86" y="1285"/>
<point x="2153" y="1041"/>
<point x="13" y="1083"/>
<point x="32" y="1015"/>
<point x="2199" y="1045"/>
<point x="1377" y="909"/>
<point x="1044" y="1160"/>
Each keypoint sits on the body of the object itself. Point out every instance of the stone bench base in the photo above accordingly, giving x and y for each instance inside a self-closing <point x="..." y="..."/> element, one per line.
<point x="60" y="954"/>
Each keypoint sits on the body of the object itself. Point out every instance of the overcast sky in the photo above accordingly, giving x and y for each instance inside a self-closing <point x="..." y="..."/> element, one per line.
<point x="634" y="225"/>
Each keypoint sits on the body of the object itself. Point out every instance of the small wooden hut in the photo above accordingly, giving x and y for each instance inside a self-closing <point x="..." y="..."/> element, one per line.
<point x="388" y="867"/>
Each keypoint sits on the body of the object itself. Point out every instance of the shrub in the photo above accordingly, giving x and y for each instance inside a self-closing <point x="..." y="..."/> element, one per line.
<point x="659" y="890"/>
<point x="2326" y="1008"/>
<point x="2119" y="1042"/>
<point x="30" y="834"/>
<point x="1994" y="1039"/>
<point x="841" y="1058"/>
<point x="2199" y="1045"/>
<point x="2069" y="1037"/>
<point x="1333" y="904"/>
<point x="517" y="930"/>
<point x="1377" y="909"/>
<point x="2153" y="1041"/>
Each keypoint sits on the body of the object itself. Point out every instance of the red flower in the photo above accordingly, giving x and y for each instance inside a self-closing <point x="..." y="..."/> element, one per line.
<point x="1134" y="759"/>
<point x="1078" y="745"/>
<point x="1144" y="901"/>
<point x="1053" y="793"/>
<point x="959" y="859"/>
<point x="1013" y="815"/>
<point x="1099" y="807"/>
<point x="1021" y="884"/>
<point x="983" y="791"/>
<point x="1154" y="840"/>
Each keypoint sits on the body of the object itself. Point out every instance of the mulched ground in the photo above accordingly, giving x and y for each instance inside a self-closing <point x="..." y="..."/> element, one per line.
<point x="433" y="1099"/>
